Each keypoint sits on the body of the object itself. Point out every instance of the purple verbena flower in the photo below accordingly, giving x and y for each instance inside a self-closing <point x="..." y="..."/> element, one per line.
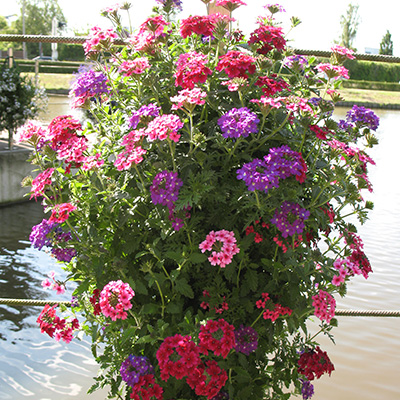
<point x="64" y="255"/>
<point x="165" y="188"/>
<point x="144" y="112"/>
<point x="221" y="396"/>
<point x="281" y="163"/>
<point x="89" y="84"/>
<point x="289" y="218"/>
<point x="133" y="368"/>
<point x="238" y="122"/>
<point x="307" y="389"/>
<point x="38" y="236"/>
<point x="246" y="339"/>
<point x="363" y="117"/>
<point x="172" y="3"/>
<point x="295" y="62"/>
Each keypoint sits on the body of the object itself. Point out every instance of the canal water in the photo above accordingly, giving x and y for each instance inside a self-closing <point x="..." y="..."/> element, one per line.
<point x="367" y="350"/>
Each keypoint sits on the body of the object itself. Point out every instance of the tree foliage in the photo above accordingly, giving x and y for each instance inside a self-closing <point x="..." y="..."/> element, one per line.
<point x="349" y="23"/>
<point x="386" y="46"/>
<point x="38" y="19"/>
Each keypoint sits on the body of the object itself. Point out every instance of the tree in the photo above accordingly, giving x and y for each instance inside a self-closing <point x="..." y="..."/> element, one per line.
<point x="386" y="46"/>
<point x="349" y="23"/>
<point x="39" y="15"/>
<point x="6" y="29"/>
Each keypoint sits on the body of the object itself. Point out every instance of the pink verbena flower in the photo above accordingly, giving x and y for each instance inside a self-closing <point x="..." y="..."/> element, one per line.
<point x="61" y="212"/>
<point x="333" y="71"/>
<point x="230" y="5"/>
<point x="342" y="53"/>
<point x="223" y="246"/>
<point x="40" y="182"/>
<point x="191" y="69"/>
<point x="99" y="39"/>
<point x="30" y="130"/>
<point x="133" y="152"/>
<point x="134" y="67"/>
<point x="324" y="305"/>
<point x="92" y="162"/>
<point x="188" y="99"/>
<point x="115" y="299"/>
<point x="164" y="127"/>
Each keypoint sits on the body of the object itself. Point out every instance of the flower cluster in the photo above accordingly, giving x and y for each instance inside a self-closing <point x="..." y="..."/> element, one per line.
<point x="238" y="122"/>
<point x="246" y="339"/>
<point x="290" y="218"/>
<point x="188" y="99"/>
<point x="191" y="69"/>
<point x="324" y="305"/>
<point x="236" y="64"/>
<point x="98" y="39"/>
<point x="266" y="38"/>
<point x="56" y="327"/>
<point x="115" y="299"/>
<point x="223" y="246"/>
<point x="280" y="163"/>
<point x="313" y="363"/>
<point x="134" y="367"/>
<point x="307" y="389"/>
<point x="218" y="337"/>
<point x="134" y="67"/>
<point x="53" y="283"/>
<point x="333" y="71"/>
<point x="146" y="388"/>
<point x="165" y="188"/>
<point x="277" y="309"/>
<point x="362" y="117"/>
<point x="87" y="85"/>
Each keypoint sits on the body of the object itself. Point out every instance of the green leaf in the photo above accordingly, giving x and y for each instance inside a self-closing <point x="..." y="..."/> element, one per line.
<point x="197" y="258"/>
<point x="184" y="288"/>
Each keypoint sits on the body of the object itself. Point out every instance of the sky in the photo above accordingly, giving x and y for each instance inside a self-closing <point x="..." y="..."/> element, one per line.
<point x="319" y="28"/>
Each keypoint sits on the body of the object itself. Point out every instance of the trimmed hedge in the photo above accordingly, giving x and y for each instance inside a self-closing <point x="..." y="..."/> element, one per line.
<point x="373" y="71"/>
<point x="390" y="86"/>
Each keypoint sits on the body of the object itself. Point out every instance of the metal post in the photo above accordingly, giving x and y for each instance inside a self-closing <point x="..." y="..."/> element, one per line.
<point x="24" y="55"/>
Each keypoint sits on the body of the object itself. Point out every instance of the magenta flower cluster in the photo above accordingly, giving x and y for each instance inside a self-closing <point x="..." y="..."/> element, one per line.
<point x="289" y="218"/>
<point x="238" y="122"/>
<point x="324" y="305"/>
<point x="115" y="300"/>
<point x="280" y="163"/>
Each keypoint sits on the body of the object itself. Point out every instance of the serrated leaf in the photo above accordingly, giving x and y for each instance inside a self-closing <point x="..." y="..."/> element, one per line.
<point x="184" y="288"/>
<point x="197" y="258"/>
<point x="251" y="279"/>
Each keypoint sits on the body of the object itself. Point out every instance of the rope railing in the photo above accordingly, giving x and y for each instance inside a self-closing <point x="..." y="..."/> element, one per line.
<point x="338" y="313"/>
<point x="82" y="39"/>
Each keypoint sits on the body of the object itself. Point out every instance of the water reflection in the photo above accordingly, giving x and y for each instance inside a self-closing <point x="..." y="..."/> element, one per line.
<point x="32" y="364"/>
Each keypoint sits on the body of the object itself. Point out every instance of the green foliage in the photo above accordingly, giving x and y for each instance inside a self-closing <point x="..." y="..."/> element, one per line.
<point x="386" y="45"/>
<point x="373" y="71"/>
<point x="349" y="23"/>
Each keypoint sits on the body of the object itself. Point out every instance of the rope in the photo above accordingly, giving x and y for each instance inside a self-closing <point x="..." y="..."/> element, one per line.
<point x="339" y="313"/>
<point x="82" y="39"/>
<point x="29" y="302"/>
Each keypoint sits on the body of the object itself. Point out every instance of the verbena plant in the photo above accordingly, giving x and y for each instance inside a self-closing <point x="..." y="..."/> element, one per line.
<point x="202" y="207"/>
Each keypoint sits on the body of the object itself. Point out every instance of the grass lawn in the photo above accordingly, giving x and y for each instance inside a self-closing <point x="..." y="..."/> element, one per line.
<point x="54" y="81"/>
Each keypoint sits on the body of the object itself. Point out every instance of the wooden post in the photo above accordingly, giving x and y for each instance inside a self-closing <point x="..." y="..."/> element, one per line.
<point x="37" y="72"/>
<point x="213" y="9"/>
<point x="10" y="57"/>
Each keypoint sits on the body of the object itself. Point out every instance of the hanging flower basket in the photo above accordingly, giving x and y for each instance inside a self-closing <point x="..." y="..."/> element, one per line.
<point x="202" y="207"/>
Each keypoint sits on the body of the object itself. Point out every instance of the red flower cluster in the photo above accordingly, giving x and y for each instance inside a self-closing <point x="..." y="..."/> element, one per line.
<point x="320" y="133"/>
<point x="258" y="238"/>
<point x="177" y="356"/>
<point x="191" y="69"/>
<point x="277" y="311"/>
<point x="55" y="326"/>
<point x="270" y="85"/>
<point x="146" y="389"/>
<point x="61" y="212"/>
<point x="286" y="244"/>
<point x="313" y="363"/>
<point x="199" y="24"/>
<point x="236" y="64"/>
<point x="95" y="301"/>
<point x="266" y="38"/>
<point x="207" y="381"/>
<point x="217" y="336"/>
